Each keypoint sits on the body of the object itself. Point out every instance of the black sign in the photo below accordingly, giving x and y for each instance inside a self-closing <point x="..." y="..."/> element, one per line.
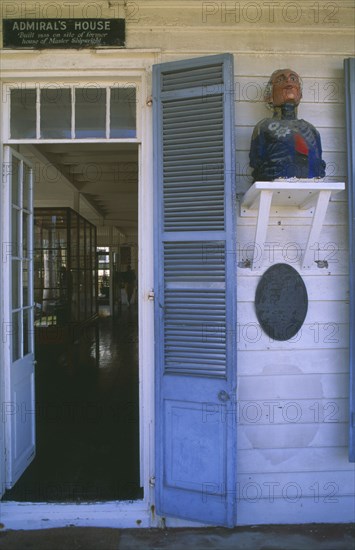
<point x="63" y="33"/>
<point x="281" y="302"/>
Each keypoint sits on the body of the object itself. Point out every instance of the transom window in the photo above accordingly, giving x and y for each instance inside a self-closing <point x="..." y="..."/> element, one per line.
<point x="73" y="112"/>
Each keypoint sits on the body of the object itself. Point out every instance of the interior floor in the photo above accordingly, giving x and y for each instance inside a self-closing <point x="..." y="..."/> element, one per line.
<point x="87" y="421"/>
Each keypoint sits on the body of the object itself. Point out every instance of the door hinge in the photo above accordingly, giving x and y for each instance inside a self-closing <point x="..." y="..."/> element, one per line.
<point x="151" y="295"/>
<point x="152" y="481"/>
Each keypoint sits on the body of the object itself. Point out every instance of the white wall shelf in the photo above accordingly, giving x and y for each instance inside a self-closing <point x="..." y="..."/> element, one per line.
<point x="306" y="195"/>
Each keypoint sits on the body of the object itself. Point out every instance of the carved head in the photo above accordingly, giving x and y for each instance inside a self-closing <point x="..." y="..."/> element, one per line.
<point x="284" y="86"/>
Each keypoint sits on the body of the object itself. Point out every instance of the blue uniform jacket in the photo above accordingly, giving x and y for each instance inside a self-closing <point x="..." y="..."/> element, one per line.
<point x="284" y="148"/>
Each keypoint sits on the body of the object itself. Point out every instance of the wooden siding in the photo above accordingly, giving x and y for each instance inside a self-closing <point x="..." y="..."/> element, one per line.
<point x="292" y="405"/>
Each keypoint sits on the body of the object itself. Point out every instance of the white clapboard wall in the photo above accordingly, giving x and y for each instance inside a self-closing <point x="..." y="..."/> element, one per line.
<point x="292" y="406"/>
<point x="312" y="366"/>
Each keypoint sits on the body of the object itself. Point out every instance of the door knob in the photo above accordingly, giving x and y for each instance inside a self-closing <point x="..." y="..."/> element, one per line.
<point x="223" y="396"/>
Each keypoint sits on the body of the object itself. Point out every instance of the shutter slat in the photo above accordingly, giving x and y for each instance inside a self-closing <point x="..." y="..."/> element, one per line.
<point x="194" y="206"/>
<point x="192" y="104"/>
<point x="182" y="121"/>
<point x="176" y="184"/>
<point x="198" y="155"/>
<point x="203" y="129"/>
<point x="194" y="77"/>
<point x="183" y="143"/>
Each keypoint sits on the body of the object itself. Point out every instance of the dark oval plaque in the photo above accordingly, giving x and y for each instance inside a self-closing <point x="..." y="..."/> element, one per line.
<point x="281" y="302"/>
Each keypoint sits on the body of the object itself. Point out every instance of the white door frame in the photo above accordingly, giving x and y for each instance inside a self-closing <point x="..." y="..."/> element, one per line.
<point x="116" y="65"/>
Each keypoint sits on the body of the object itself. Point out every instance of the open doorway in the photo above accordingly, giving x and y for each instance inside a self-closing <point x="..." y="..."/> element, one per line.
<point x="87" y="409"/>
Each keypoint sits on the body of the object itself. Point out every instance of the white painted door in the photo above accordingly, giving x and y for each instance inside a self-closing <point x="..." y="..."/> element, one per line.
<point x="18" y="327"/>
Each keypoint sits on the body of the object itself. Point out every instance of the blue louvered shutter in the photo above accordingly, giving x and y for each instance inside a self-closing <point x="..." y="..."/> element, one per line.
<point x="349" y="66"/>
<point x="195" y="304"/>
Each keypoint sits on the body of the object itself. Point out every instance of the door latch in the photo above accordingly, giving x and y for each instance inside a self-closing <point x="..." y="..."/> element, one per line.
<point x="151" y="295"/>
<point x="152" y="481"/>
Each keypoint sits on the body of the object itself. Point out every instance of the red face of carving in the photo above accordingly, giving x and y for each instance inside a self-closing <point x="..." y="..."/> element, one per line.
<point x="286" y="88"/>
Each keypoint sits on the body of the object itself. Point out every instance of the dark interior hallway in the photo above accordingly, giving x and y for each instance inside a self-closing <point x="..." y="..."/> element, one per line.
<point x="87" y="421"/>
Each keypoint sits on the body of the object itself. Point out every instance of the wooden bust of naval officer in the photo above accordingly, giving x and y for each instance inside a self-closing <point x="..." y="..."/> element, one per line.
<point x="284" y="146"/>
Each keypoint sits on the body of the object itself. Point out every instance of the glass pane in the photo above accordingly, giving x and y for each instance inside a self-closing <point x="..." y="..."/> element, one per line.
<point x="82" y="296"/>
<point x="40" y="232"/>
<point x="25" y="281"/>
<point x="74" y="295"/>
<point x="27" y="328"/>
<point x="38" y="270"/>
<point x="74" y="253"/>
<point x="23" y="114"/>
<point x="25" y="234"/>
<point x="15" y="182"/>
<point x="123" y="113"/>
<point x="45" y="314"/>
<point x="88" y="293"/>
<point x="16" y="336"/>
<point x="50" y="266"/>
<point x="15" y="232"/>
<point x="93" y="292"/>
<point x="82" y="243"/>
<point x="90" y="112"/>
<point x="60" y="238"/>
<point x="88" y="247"/>
<point x="26" y="186"/>
<point x="15" y="278"/>
<point x="56" y="113"/>
<point x="73" y="242"/>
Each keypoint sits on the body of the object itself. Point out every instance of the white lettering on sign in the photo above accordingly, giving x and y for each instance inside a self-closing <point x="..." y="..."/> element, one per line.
<point x="92" y="25"/>
<point x="39" y="26"/>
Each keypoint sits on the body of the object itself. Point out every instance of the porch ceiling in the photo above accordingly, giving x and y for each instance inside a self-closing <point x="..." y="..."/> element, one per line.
<point x="106" y="175"/>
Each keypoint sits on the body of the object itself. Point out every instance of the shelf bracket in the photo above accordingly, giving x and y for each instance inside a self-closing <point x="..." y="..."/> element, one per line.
<point x="316" y="226"/>
<point x="261" y="228"/>
<point x="295" y="194"/>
